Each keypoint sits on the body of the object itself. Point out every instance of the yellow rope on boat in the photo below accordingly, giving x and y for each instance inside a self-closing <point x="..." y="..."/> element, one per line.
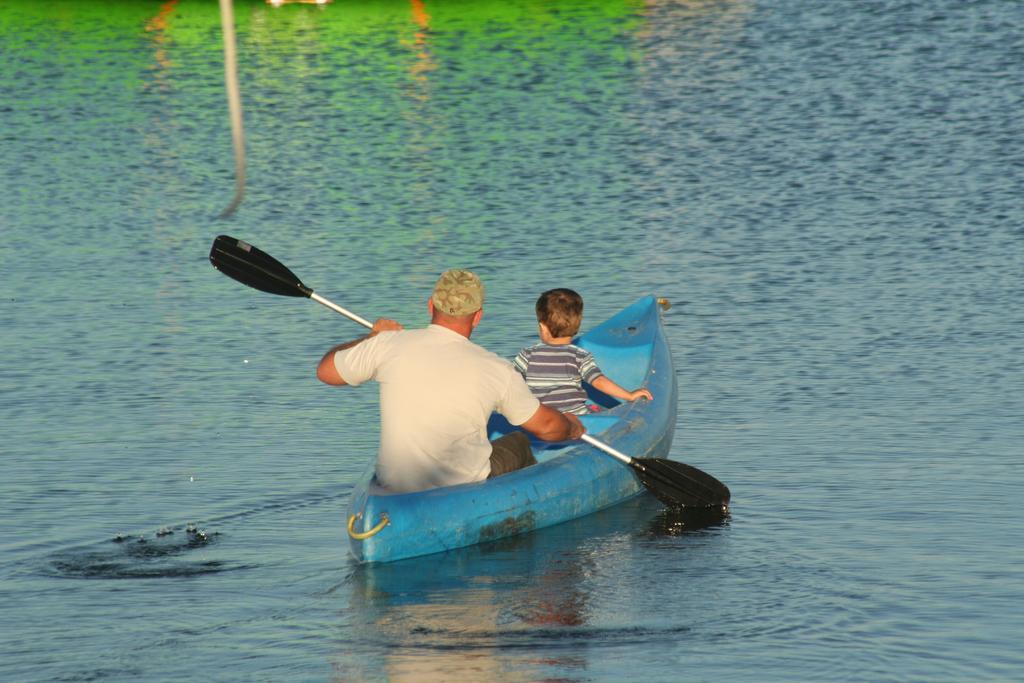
<point x="664" y="303"/>
<point x="360" y="535"/>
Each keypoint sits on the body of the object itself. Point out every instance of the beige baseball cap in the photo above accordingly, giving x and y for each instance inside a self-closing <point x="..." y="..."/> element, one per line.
<point x="458" y="292"/>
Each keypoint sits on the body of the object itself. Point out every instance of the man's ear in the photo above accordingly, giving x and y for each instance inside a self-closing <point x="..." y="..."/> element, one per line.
<point x="430" y="306"/>
<point x="477" y="316"/>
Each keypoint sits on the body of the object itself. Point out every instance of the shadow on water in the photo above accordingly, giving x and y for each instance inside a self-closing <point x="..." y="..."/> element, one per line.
<point x="175" y="551"/>
<point x="166" y="554"/>
<point x="475" y="611"/>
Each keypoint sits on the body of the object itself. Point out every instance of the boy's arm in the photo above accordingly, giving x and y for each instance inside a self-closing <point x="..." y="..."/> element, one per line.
<point x="609" y="387"/>
<point x="593" y="376"/>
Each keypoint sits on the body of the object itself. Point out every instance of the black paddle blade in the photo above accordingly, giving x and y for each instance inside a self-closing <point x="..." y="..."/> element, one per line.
<point x="250" y="266"/>
<point x="679" y="485"/>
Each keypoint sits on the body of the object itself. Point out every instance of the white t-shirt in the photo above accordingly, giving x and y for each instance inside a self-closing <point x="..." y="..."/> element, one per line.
<point x="437" y="391"/>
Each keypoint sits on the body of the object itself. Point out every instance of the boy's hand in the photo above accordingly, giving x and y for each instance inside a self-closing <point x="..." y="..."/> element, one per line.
<point x="640" y="393"/>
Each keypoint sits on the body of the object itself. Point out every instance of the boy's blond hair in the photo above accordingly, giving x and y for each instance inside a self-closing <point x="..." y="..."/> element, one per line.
<point x="561" y="311"/>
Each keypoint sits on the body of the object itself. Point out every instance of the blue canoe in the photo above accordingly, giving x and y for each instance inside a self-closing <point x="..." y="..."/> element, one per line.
<point x="569" y="480"/>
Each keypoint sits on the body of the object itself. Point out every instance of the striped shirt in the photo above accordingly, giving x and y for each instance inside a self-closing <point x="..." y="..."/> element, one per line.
<point x="555" y="375"/>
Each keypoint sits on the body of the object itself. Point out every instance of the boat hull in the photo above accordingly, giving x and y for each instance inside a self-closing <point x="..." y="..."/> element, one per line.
<point x="569" y="481"/>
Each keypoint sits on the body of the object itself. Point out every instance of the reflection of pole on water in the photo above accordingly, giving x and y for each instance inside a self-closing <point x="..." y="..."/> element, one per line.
<point x="227" y="20"/>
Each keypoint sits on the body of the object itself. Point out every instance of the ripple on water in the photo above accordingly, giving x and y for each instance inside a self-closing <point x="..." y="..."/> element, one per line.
<point x="167" y="554"/>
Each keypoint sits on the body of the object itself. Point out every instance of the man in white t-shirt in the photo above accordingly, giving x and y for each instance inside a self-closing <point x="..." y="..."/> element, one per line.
<point x="437" y="392"/>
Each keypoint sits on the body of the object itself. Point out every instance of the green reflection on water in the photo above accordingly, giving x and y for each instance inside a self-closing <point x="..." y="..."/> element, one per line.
<point x="445" y="103"/>
<point x="403" y="137"/>
<point x="442" y="104"/>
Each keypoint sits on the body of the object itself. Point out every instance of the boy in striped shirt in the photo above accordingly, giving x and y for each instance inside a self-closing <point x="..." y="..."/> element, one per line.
<point x="556" y="368"/>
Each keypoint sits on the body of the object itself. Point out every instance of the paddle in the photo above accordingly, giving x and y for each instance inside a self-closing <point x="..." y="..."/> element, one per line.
<point x="674" y="483"/>
<point x="250" y="266"/>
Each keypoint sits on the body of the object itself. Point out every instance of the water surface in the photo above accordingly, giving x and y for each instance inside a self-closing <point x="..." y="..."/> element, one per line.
<point x="829" y="194"/>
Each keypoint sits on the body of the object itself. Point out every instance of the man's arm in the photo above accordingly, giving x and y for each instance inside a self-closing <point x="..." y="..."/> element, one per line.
<point x="328" y="373"/>
<point x="547" y="424"/>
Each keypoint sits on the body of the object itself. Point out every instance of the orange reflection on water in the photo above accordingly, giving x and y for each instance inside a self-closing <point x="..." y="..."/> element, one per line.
<point x="158" y="27"/>
<point x="419" y="14"/>
<point x="424" y="63"/>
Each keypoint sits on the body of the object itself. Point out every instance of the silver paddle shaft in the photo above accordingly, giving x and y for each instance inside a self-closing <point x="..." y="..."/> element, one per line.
<point x="619" y="455"/>
<point x="338" y="309"/>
